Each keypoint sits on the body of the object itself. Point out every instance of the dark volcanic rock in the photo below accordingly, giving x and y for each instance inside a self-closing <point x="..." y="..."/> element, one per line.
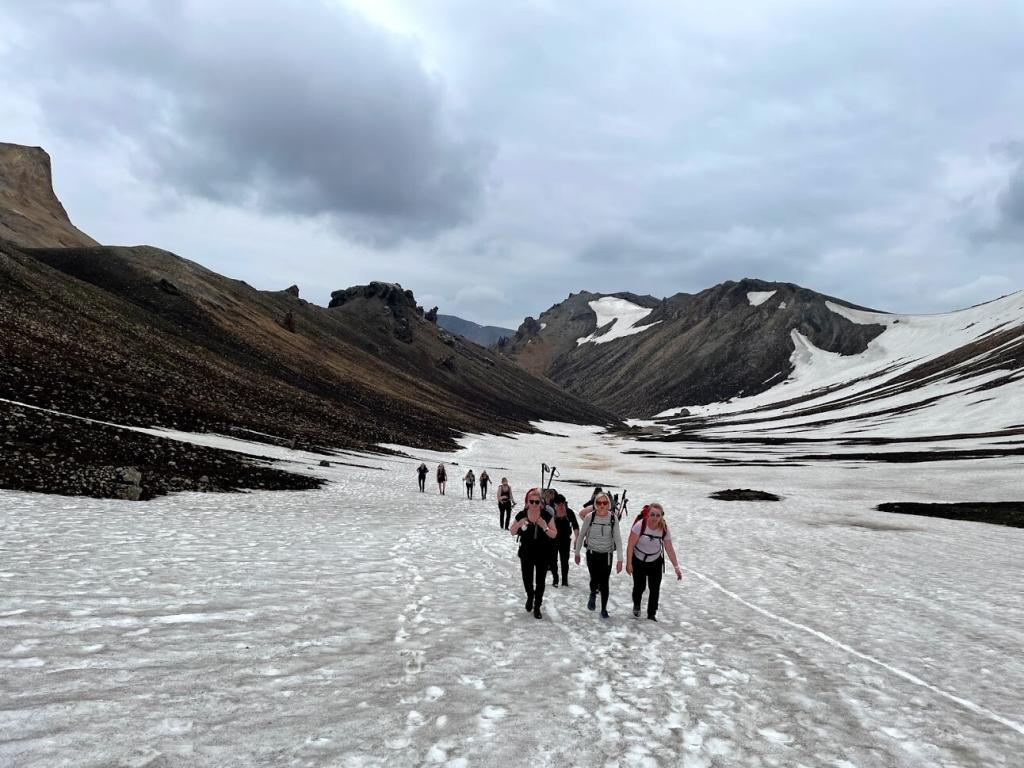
<point x="1010" y="513"/>
<point x="744" y="494"/>
<point x="51" y="453"/>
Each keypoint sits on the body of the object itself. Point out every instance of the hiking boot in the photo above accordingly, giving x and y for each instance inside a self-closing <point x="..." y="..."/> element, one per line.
<point x="565" y="582"/>
<point x="554" y="582"/>
<point x="536" y="613"/>
<point x="604" y="614"/>
<point x="636" y="613"/>
<point x="592" y="602"/>
<point x="651" y="618"/>
<point x="529" y="603"/>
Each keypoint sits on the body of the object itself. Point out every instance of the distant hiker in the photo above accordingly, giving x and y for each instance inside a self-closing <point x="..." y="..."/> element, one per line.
<point x="535" y="530"/>
<point x="600" y="535"/>
<point x="549" y="499"/>
<point x="470" y="479"/>
<point x="442" y="478"/>
<point x="422" y="471"/>
<point x="649" y="542"/>
<point x="568" y="527"/>
<point x="504" y="503"/>
<point x="485" y="480"/>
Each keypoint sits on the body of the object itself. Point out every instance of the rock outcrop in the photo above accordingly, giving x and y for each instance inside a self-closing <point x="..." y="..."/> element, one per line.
<point x="30" y="213"/>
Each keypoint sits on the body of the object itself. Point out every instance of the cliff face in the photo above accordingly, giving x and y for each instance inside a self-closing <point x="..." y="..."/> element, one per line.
<point x="30" y="213"/>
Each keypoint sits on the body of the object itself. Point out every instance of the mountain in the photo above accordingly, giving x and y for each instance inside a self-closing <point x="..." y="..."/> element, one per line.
<point x="484" y="335"/>
<point x="30" y="212"/>
<point x="775" y="363"/>
<point x="953" y="381"/>
<point x="639" y="355"/>
<point x="142" y="337"/>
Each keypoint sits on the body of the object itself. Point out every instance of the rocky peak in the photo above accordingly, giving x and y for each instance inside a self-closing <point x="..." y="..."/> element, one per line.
<point x="30" y="213"/>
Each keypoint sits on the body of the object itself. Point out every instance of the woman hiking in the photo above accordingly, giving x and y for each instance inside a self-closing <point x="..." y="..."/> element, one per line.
<point x="485" y="480"/>
<point x="600" y="534"/>
<point x="470" y="479"/>
<point x="422" y="471"/>
<point x="535" y="530"/>
<point x="568" y="528"/>
<point x="649" y="542"/>
<point x="504" y="503"/>
<point x="442" y="478"/>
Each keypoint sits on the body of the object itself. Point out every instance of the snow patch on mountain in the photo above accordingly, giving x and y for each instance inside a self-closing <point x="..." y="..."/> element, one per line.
<point x="757" y="298"/>
<point x="624" y="314"/>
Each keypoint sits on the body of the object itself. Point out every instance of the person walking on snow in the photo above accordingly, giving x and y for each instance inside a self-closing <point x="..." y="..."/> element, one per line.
<point x="442" y="478"/>
<point x="535" y="530"/>
<point x="422" y="471"/>
<point x="470" y="479"/>
<point x="504" y="503"/>
<point x="485" y="480"/>
<point x="649" y="542"/>
<point x="600" y="535"/>
<point x="568" y="528"/>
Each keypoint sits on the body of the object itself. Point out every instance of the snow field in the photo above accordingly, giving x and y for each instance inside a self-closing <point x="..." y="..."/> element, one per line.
<point x="367" y="624"/>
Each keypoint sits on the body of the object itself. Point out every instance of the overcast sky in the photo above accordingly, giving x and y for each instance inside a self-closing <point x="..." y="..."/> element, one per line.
<point x="494" y="157"/>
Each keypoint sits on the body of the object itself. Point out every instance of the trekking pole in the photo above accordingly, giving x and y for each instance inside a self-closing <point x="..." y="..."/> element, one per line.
<point x="543" y="475"/>
<point x="623" y="504"/>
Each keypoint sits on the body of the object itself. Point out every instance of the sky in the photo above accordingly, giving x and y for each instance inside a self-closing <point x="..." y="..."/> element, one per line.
<point x="496" y="157"/>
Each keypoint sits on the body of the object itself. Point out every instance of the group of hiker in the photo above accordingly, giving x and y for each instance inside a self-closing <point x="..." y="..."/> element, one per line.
<point x="548" y="530"/>
<point x="442" y="480"/>
<point x="546" y="526"/>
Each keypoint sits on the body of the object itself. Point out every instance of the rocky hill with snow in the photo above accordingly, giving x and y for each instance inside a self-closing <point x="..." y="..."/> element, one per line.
<point x="638" y="355"/>
<point x="775" y="363"/>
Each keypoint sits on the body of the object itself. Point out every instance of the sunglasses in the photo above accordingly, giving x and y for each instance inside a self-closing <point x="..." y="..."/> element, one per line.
<point x="534" y="501"/>
<point x="601" y="503"/>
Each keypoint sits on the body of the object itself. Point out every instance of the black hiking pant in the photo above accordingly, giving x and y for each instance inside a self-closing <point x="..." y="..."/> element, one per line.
<point x="504" y="513"/>
<point x="423" y="483"/>
<point x="647" y="575"/>
<point x="469" y="490"/>
<point x="560" y="551"/>
<point x="535" y="573"/>
<point x="600" y="566"/>
<point x="483" y="490"/>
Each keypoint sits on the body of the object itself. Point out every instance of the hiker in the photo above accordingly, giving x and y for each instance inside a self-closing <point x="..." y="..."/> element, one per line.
<point x="649" y="542"/>
<point x="535" y="530"/>
<point x="470" y="479"/>
<point x="600" y="534"/>
<point x="485" y="480"/>
<point x="549" y="499"/>
<point x="568" y="531"/>
<point x="504" y="504"/>
<point x="422" y="471"/>
<point x="442" y="478"/>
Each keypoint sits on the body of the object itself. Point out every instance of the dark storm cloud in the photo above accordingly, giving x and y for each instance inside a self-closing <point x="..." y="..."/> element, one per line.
<point x="289" y="107"/>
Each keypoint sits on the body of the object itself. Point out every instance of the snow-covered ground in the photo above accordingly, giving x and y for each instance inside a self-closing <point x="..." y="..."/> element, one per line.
<point x="365" y="624"/>
<point x="625" y="315"/>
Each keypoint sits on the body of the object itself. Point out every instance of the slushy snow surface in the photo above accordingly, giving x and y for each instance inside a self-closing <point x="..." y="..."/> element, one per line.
<point x="366" y="624"/>
<point x="624" y="313"/>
